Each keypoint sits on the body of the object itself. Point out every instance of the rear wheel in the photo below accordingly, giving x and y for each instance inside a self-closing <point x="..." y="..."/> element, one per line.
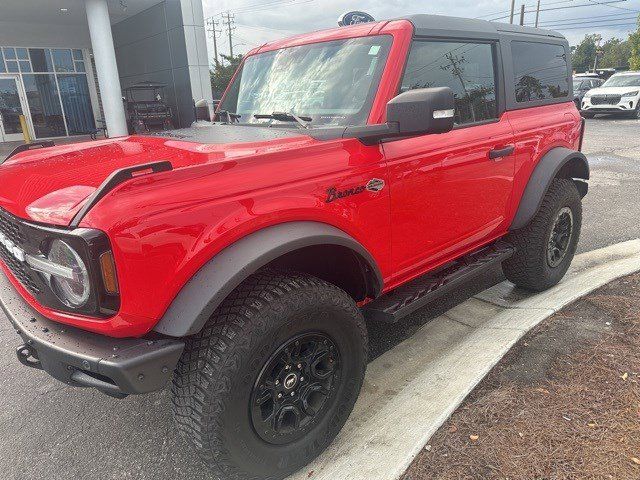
<point x="545" y="247"/>
<point x="273" y="376"/>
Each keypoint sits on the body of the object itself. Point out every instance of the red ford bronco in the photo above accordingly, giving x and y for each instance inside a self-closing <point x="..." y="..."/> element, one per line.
<point x="352" y="174"/>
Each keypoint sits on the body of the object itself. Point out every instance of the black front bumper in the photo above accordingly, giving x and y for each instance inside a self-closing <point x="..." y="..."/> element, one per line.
<point x="117" y="367"/>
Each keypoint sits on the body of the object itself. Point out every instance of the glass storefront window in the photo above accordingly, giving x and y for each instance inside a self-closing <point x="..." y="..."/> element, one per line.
<point x="41" y="59"/>
<point x="10" y="107"/>
<point x="9" y="53"/>
<point x="44" y="105"/>
<point x="62" y="60"/>
<point x="57" y="89"/>
<point x="22" y="54"/>
<point x="76" y="102"/>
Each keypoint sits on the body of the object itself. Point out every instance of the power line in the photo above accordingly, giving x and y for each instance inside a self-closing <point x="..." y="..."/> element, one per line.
<point x="548" y="22"/>
<point x="267" y="29"/>
<point x="228" y="19"/>
<point x="565" y="7"/>
<point x="593" y="21"/>
<point x="613" y="6"/>
<point x="508" y="11"/>
<point x="212" y="29"/>
<point x="264" y="5"/>
<point x="603" y="26"/>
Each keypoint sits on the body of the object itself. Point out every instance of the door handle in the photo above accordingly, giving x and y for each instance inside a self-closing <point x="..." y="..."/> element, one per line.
<point x="501" y="152"/>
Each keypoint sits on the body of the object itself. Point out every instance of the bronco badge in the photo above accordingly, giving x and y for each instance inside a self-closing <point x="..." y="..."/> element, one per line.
<point x="373" y="185"/>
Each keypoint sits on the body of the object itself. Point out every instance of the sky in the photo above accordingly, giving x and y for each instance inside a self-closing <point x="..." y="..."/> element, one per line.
<point x="259" y="21"/>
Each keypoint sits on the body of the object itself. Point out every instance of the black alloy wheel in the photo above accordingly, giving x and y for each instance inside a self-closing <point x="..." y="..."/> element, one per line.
<point x="560" y="238"/>
<point x="295" y="387"/>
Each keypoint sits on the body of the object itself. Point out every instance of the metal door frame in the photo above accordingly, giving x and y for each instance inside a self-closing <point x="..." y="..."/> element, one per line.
<point x="16" y="137"/>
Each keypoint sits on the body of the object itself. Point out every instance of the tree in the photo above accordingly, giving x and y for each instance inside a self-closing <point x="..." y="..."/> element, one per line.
<point x="616" y="54"/>
<point x="584" y="53"/>
<point x="634" y="44"/>
<point x="223" y="72"/>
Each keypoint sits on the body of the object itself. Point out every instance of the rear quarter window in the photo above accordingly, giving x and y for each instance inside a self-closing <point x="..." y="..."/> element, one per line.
<point x="540" y="71"/>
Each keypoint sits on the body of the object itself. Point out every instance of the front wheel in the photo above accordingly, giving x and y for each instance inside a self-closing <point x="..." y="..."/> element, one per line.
<point x="272" y="377"/>
<point x="546" y="246"/>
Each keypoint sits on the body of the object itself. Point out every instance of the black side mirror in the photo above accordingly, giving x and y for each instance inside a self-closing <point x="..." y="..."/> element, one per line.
<point x="422" y="111"/>
<point x="416" y="112"/>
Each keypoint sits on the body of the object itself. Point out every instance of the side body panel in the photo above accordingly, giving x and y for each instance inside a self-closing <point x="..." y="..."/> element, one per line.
<point x="537" y="130"/>
<point x="447" y="195"/>
<point x="163" y="228"/>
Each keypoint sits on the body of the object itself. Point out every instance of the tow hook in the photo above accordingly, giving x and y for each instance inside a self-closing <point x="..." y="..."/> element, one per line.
<point x="28" y="356"/>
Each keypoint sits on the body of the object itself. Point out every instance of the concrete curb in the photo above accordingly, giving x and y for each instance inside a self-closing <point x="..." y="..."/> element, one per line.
<point x="411" y="390"/>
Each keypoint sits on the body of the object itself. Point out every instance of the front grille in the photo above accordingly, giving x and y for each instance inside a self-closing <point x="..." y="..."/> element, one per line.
<point x="19" y="271"/>
<point x="605" y="99"/>
<point x="12" y="230"/>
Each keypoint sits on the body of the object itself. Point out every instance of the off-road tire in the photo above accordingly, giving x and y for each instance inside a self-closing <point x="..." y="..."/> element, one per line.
<point x="528" y="267"/>
<point x="218" y="371"/>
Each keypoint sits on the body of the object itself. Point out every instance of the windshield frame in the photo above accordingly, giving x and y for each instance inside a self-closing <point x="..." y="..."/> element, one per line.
<point x="362" y="115"/>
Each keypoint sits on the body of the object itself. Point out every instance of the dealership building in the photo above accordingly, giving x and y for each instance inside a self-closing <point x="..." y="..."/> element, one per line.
<point x="64" y="64"/>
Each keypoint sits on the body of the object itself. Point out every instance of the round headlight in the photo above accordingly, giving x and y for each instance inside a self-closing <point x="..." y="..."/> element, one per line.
<point x="73" y="292"/>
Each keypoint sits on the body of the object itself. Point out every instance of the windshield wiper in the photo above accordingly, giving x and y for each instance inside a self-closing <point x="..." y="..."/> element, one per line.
<point x="285" y="117"/>
<point x="231" y="117"/>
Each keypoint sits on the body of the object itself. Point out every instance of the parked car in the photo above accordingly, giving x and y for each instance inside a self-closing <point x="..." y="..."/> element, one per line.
<point x="618" y="95"/>
<point x="581" y="85"/>
<point x="358" y="174"/>
<point x="146" y="108"/>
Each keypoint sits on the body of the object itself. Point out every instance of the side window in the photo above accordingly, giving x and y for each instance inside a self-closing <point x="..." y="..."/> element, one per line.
<point x="540" y="71"/>
<point x="467" y="68"/>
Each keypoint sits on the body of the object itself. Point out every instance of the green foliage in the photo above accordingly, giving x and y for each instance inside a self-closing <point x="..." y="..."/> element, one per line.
<point x="634" y="44"/>
<point x="584" y="54"/>
<point x="223" y="72"/>
<point x="615" y="54"/>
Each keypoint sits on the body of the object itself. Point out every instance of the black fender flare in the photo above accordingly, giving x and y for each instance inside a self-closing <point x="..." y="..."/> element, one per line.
<point x="215" y="280"/>
<point x="559" y="161"/>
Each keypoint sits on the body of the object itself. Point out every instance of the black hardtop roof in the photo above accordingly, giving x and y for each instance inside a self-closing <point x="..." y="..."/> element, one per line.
<point x="445" y="26"/>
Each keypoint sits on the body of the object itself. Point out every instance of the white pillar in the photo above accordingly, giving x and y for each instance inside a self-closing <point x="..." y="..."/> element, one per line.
<point x="104" y="55"/>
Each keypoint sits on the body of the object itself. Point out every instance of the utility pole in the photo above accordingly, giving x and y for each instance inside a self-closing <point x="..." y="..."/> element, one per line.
<point x="212" y="29"/>
<point x="537" y="13"/>
<point x="229" y="21"/>
<point x="457" y="69"/>
<point x="522" y="14"/>
<point x="595" y="60"/>
<point x="513" y="7"/>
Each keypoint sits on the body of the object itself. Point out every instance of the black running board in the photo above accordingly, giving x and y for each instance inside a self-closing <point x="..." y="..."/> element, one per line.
<point x="408" y="298"/>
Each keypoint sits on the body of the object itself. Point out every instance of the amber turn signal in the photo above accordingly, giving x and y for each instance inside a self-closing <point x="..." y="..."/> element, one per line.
<point x="108" y="267"/>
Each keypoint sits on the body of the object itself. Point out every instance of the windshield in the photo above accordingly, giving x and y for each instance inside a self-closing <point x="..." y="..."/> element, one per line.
<point x="332" y="83"/>
<point x="623" y="81"/>
<point x="581" y="84"/>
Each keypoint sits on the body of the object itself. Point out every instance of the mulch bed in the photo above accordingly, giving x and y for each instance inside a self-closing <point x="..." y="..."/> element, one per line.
<point x="563" y="404"/>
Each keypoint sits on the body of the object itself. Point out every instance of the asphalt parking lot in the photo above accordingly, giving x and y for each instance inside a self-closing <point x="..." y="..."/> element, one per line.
<point x="50" y="431"/>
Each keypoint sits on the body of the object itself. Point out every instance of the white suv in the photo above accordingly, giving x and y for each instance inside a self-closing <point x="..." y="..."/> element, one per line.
<point x="619" y="94"/>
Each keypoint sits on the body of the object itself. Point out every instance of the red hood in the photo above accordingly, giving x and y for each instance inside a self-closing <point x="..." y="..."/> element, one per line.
<point x="50" y="185"/>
